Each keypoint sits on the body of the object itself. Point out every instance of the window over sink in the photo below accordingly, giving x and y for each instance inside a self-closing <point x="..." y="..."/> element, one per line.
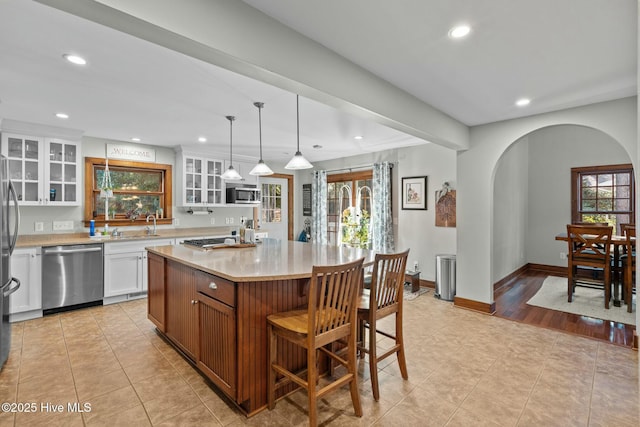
<point x="139" y="189"/>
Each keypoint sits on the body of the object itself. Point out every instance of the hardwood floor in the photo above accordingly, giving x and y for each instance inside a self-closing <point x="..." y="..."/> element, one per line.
<point x="511" y="303"/>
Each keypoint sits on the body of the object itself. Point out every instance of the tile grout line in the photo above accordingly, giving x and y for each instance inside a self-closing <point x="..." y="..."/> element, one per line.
<point x="593" y="382"/>
<point x="524" y="407"/>
<point x="122" y="367"/>
<point x="73" y="377"/>
<point x="17" y="388"/>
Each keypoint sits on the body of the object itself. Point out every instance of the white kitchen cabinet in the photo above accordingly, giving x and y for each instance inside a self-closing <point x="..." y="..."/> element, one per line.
<point x="123" y="273"/>
<point x="26" y="302"/>
<point x="44" y="171"/>
<point x="198" y="180"/>
<point x="125" y="268"/>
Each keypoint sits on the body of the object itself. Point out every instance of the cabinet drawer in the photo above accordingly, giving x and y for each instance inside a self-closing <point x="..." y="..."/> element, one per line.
<point x="217" y="288"/>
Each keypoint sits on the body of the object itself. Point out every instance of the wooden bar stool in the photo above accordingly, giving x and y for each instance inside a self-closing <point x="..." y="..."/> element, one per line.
<point x="329" y="317"/>
<point x="383" y="299"/>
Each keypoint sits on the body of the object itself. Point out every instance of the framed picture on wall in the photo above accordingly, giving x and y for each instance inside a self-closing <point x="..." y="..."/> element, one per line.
<point x="414" y="192"/>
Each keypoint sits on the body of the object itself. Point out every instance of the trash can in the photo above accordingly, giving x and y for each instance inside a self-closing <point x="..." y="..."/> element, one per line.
<point x="445" y="277"/>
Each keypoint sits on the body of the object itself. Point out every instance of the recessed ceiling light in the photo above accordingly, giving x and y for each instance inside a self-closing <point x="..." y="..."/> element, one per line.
<point x="523" y="102"/>
<point x="358" y="137"/>
<point x="62" y="115"/>
<point x="459" y="31"/>
<point x="134" y="139"/>
<point x="202" y="139"/>
<point x="75" y="59"/>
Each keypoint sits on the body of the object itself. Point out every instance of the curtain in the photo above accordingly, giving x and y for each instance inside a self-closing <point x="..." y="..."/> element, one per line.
<point x="319" y="207"/>
<point x="381" y="219"/>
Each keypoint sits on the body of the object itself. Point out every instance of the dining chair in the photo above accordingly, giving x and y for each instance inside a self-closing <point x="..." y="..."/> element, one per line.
<point x="330" y="316"/>
<point x="589" y="247"/>
<point x="383" y="298"/>
<point x="629" y="265"/>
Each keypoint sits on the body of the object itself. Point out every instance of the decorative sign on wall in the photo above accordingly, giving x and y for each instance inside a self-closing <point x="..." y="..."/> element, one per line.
<point x="132" y="152"/>
<point x="446" y="206"/>
<point x="306" y="199"/>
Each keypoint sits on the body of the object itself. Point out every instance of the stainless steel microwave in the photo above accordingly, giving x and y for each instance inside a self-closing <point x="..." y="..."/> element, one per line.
<point x="242" y="195"/>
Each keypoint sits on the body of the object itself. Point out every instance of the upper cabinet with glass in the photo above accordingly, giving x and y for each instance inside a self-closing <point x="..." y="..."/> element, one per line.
<point x="44" y="171"/>
<point x="198" y="180"/>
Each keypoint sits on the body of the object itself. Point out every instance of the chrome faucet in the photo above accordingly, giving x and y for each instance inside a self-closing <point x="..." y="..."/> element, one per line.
<point x="154" y="225"/>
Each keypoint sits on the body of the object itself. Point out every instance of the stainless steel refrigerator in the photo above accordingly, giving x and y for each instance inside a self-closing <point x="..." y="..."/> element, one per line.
<point x="9" y="221"/>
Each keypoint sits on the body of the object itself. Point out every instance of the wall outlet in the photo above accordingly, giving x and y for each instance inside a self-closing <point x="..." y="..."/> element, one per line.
<point x="563" y="255"/>
<point x="231" y="220"/>
<point x="226" y="221"/>
<point x="62" y="225"/>
<point x="39" y="226"/>
<point x="176" y="221"/>
<point x="213" y="221"/>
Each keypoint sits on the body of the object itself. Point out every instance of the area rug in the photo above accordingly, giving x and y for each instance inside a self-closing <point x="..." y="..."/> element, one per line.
<point x="586" y="301"/>
<point x="408" y="295"/>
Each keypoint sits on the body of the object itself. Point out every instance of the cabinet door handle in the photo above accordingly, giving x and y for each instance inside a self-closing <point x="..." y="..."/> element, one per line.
<point x="213" y="285"/>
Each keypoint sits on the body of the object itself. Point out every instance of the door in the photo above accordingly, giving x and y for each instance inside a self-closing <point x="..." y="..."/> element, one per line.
<point x="123" y="273"/>
<point x="274" y="215"/>
<point x="26" y="264"/>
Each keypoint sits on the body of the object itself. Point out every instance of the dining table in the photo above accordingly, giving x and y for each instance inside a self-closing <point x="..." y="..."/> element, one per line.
<point x="617" y="243"/>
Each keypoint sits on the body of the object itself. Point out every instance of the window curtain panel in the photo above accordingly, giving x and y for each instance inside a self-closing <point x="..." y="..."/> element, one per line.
<point x="319" y="207"/>
<point x="381" y="219"/>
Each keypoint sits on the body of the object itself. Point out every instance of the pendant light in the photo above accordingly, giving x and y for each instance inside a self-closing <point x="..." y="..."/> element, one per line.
<point x="298" y="161"/>
<point x="231" y="173"/>
<point x="261" y="169"/>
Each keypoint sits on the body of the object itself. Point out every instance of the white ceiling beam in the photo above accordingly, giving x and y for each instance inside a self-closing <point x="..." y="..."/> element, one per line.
<point x="235" y="36"/>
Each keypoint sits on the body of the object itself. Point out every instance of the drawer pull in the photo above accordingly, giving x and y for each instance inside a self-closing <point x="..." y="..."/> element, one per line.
<point x="213" y="285"/>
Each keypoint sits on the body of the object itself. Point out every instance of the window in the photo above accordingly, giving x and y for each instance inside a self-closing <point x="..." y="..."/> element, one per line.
<point x="342" y="193"/>
<point x="139" y="189"/>
<point x="271" y="203"/>
<point x="603" y="194"/>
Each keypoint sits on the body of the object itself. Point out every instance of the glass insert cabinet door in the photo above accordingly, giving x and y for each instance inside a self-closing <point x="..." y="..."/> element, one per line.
<point x="25" y="169"/>
<point x="62" y="173"/>
<point x="193" y="180"/>
<point x="214" y="182"/>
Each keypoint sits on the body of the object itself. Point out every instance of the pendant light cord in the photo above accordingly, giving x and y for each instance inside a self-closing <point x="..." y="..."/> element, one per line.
<point x="260" y="125"/>
<point x="231" y="119"/>
<point x="298" y="122"/>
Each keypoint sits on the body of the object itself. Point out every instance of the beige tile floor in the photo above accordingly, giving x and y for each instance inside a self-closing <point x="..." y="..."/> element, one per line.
<point x="465" y="369"/>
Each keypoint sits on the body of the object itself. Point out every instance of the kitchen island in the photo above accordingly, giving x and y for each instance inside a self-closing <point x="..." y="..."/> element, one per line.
<point x="213" y="304"/>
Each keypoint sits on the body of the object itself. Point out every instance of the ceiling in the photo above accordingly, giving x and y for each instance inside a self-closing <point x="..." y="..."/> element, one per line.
<point x="558" y="54"/>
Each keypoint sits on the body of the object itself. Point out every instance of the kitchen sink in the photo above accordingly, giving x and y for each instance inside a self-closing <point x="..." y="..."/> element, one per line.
<point x="131" y="235"/>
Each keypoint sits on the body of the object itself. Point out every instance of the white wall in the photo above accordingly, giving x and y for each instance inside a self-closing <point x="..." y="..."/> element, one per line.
<point x="510" y="195"/>
<point x="413" y="229"/>
<point x="476" y="168"/>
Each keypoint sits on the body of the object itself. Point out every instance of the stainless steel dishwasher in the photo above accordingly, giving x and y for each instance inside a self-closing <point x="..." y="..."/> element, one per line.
<point x="71" y="275"/>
